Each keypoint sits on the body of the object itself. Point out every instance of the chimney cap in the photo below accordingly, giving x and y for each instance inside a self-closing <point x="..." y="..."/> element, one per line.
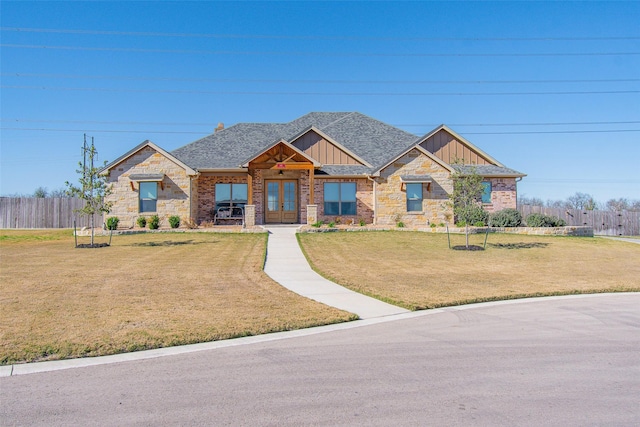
<point x="219" y="127"/>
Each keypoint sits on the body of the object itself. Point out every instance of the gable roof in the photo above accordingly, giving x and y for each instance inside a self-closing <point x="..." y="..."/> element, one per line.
<point x="414" y="147"/>
<point x="370" y="140"/>
<point x="461" y="140"/>
<point x="139" y="147"/>
<point x="286" y="144"/>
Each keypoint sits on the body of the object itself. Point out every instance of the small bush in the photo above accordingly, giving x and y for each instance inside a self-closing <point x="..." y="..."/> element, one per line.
<point x="362" y="222"/>
<point x="174" y="221"/>
<point x="332" y="224"/>
<point x="541" y="220"/>
<point x="476" y="214"/>
<point x="433" y="225"/>
<point x="154" y="222"/>
<point x="317" y="224"/>
<point x="141" y="221"/>
<point x="189" y="223"/>
<point x="506" y="218"/>
<point x="112" y="223"/>
<point x="400" y="224"/>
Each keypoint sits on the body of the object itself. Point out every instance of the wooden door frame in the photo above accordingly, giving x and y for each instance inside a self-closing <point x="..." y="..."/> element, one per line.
<point x="281" y="182"/>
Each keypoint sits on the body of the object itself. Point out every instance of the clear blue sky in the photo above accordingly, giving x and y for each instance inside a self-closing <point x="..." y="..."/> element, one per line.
<point x="549" y="89"/>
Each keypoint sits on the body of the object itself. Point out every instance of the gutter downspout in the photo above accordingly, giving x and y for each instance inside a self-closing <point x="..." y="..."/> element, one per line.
<point x="517" y="181"/>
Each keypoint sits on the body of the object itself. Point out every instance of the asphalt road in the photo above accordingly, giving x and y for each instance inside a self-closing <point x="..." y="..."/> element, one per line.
<point x="565" y="361"/>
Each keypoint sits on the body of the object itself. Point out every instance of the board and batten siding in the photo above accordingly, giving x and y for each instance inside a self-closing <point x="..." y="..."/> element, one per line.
<point x="315" y="146"/>
<point x="444" y="146"/>
<point x="50" y="212"/>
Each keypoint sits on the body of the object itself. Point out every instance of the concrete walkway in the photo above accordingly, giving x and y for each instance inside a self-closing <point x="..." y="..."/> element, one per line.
<point x="287" y="265"/>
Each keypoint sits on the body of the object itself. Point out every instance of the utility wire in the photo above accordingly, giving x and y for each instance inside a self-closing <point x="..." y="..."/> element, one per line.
<point x="312" y="81"/>
<point x="223" y="92"/>
<point x="19" y="120"/>
<point x="306" y="37"/>
<point x="207" y="133"/>
<point x="311" y="53"/>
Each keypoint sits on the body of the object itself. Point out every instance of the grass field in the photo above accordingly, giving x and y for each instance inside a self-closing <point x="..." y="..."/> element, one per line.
<point x="418" y="271"/>
<point x="145" y="291"/>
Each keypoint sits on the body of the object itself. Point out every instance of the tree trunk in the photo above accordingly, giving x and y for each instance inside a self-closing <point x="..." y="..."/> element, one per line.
<point x="466" y="232"/>
<point x="92" y="229"/>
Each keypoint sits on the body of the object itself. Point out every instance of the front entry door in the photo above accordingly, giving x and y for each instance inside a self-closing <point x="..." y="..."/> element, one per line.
<point x="281" y="202"/>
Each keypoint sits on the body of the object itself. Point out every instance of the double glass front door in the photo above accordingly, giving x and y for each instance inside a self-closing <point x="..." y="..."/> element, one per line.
<point x="281" y="202"/>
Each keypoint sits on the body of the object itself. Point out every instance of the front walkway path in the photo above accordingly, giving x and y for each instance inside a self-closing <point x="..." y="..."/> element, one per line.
<point x="287" y="265"/>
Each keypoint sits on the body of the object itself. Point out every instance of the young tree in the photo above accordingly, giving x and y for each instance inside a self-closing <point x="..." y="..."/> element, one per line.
<point x="466" y="197"/>
<point x="93" y="187"/>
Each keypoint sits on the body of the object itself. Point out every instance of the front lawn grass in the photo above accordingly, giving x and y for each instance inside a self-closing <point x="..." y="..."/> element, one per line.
<point x="417" y="270"/>
<point x="145" y="291"/>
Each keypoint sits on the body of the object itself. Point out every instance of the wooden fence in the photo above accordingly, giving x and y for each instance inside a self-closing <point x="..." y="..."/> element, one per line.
<point x="33" y="212"/>
<point x="606" y="223"/>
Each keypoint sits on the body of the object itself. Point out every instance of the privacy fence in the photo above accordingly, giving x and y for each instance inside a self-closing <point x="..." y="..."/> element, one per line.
<point x="33" y="212"/>
<point x="606" y="223"/>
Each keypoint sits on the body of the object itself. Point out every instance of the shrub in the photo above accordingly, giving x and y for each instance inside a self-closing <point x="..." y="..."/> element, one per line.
<point x="362" y="222"/>
<point x="189" y="223"/>
<point x="400" y="224"/>
<point x="154" y="222"/>
<point x="174" y="221"/>
<point x="112" y="223"/>
<point x="141" y="221"/>
<point x="332" y="224"/>
<point x="541" y="220"/>
<point x="506" y="218"/>
<point x="433" y="225"/>
<point x="477" y="216"/>
<point x="317" y="224"/>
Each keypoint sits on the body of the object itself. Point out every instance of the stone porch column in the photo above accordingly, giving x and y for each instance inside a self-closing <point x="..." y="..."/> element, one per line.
<point x="312" y="214"/>
<point x="249" y="215"/>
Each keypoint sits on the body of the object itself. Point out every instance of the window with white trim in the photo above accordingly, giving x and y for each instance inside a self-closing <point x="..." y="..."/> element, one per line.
<point x="148" y="196"/>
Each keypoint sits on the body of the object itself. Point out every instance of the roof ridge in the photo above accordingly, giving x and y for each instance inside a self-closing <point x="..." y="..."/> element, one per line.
<point x="340" y="119"/>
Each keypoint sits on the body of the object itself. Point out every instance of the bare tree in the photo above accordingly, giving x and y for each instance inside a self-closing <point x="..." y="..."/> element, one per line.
<point x="617" y="205"/>
<point x="581" y="201"/>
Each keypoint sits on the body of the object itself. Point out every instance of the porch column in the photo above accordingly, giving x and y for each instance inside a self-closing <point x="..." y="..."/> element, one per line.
<point x="250" y="189"/>
<point x="249" y="215"/>
<point x="311" y="185"/>
<point x="312" y="214"/>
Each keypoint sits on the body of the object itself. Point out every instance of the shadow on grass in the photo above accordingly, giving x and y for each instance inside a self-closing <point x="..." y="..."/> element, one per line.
<point x="465" y="248"/>
<point x="170" y="243"/>
<point x="519" y="245"/>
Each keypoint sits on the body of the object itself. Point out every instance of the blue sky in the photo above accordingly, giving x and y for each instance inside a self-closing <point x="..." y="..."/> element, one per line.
<point x="549" y="89"/>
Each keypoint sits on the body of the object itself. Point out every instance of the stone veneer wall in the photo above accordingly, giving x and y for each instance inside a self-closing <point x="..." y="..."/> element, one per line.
<point x="364" y="200"/>
<point x="206" y="194"/>
<point x="503" y="194"/>
<point x="174" y="199"/>
<point x="391" y="200"/>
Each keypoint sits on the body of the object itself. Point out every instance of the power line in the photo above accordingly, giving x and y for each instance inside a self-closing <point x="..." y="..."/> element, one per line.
<point x="222" y="92"/>
<point x="317" y="81"/>
<point x="187" y="132"/>
<point x="306" y="37"/>
<point x="311" y="53"/>
<point x="19" y="120"/>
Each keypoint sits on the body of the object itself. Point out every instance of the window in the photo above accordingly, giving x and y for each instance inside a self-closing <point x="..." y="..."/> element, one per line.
<point x="414" y="197"/>
<point x="230" y="195"/>
<point x="486" y="194"/>
<point x="340" y="198"/>
<point x="148" y="196"/>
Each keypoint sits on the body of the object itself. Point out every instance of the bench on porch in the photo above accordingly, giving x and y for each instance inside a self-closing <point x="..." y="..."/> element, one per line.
<point x="229" y="213"/>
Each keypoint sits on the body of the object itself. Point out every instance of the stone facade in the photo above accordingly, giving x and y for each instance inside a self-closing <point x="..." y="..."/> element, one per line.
<point x="174" y="191"/>
<point x="503" y="194"/>
<point x="391" y="196"/>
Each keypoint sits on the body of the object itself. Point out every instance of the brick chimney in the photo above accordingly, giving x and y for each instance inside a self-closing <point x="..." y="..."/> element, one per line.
<point x="219" y="127"/>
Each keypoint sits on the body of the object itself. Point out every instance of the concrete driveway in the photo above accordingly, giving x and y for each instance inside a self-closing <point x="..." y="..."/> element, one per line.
<point x="555" y="361"/>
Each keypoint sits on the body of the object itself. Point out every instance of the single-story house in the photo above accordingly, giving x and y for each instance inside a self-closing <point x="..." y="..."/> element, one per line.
<point x="319" y="167"/>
